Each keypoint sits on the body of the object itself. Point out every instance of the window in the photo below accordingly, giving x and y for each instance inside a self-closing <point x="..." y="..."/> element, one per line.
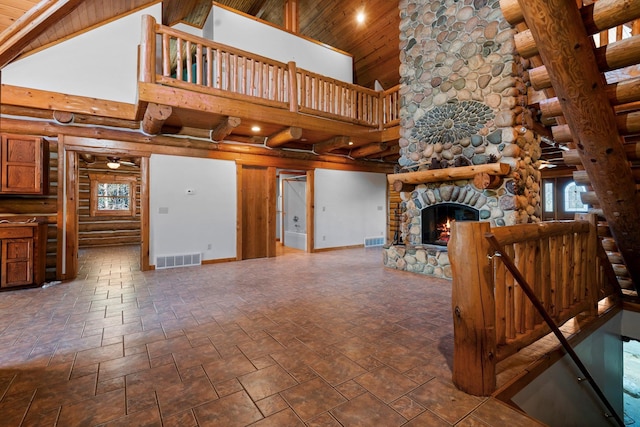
<point x="112" y="195"/>
<point x="572" y="201"/>
<point x="548" y="196"/>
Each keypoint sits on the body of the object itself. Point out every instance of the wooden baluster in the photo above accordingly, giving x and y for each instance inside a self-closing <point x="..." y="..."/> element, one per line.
<point x="179" y="63"/>
<point x="166" y="55"/>
<point x="199" y="64"/>
<point x="219" y="60"/>
<point x="209" y="67"/>
<point x="189" y="62"/>
<point x="519" y="296"/>
<point x="509" y="297"/>
<point x="293" y="87"/>
<point x="243" y="75"/>
<point x="555" y="266"/>
<point x="233" y="73"/>
<point x="252" y="73"/>
<point x="500" y="286"/>
<point x="545" y="274"/>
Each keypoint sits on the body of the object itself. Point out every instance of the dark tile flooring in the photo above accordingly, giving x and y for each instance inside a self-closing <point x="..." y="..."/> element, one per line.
<point x="327" y="339"/>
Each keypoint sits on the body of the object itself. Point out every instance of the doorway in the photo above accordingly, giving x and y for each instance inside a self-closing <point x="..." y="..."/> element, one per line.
<point x="293" y="224"/>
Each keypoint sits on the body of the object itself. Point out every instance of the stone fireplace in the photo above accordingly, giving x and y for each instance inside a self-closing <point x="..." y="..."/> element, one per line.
<point x="463" y="105"/>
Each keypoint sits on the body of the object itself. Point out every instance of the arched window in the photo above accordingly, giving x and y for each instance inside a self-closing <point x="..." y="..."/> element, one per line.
<point x="572" y="201"/>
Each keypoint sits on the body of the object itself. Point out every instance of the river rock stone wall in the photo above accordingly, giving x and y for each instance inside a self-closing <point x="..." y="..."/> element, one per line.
<point x="463" y="102"/>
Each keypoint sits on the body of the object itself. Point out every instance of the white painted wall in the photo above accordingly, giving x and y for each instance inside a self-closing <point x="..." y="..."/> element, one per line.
<point x="232" y="29"/>
<point x="558" y="399"/>
<point x="192" y="222"/>
<point x="101" y="63"/>
<point x="349" y="206"/>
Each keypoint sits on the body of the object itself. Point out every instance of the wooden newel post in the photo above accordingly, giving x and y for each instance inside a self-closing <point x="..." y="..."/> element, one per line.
<point x="474" y="361"/>
<point x="147" y="52"/>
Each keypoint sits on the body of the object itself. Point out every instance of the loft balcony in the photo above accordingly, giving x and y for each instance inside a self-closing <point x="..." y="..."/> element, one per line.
<point x="194" y="86"/>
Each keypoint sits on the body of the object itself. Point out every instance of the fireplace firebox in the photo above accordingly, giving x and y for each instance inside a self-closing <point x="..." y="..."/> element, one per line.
<point x="436" y="221"/>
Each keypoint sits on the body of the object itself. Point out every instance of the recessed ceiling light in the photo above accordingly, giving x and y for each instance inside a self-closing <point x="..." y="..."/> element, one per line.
<point x="255" y="128"/>
<point x="350" y="142"/>
<point x="360" y="17"/>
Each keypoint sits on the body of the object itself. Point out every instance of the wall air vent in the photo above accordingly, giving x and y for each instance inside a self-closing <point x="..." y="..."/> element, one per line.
<point x="373" y="241"/>
<point x="184" y="260"/>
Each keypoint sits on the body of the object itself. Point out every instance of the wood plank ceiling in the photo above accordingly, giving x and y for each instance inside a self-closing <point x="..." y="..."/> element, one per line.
<point x="373" y="44"/>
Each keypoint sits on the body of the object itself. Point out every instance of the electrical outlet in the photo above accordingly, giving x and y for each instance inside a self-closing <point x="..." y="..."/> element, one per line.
<point x="324" y="237"/>
<point x="209" y="246"/>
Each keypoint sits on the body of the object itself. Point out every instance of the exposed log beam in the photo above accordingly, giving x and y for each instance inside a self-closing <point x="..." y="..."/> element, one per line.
<point x="30" y="25"/>
<point x="136" y="142"/>
<point x="626" y="124"/>
<point x="610" y="57"/>
<point x="154" y="118"/>
<point x="582" y="178"/>
<point x="449" y="174"/>
<point x="368" y="150"/>
<point x="559" y="32"/>
<point x="225" y="128"/>
<point x="599" y="16"/>
<point x="286" y="135"/>
<point x="331" y="144"/>
<point x="623" y="92"/>
<point x="46" y="100"/>
<point x="63" y="117"/>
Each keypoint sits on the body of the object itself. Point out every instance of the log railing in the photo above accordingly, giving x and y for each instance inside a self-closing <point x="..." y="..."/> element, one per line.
<point x="210" y="67"/>
<point x="492" y="317"/>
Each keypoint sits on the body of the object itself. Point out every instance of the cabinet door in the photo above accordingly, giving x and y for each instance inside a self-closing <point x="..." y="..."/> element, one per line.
<point x="22" y="164"/>
<point x="17" y="262"/>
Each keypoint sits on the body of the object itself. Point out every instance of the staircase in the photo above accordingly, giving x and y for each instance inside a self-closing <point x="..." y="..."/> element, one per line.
<point x="583" y="62"/>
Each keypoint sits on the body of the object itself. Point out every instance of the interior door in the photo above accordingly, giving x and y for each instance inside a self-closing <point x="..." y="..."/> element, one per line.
<point x="258" y="212"/>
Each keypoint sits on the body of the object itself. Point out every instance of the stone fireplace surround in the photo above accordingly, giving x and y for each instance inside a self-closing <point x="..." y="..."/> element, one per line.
<point x="463" y="102"/>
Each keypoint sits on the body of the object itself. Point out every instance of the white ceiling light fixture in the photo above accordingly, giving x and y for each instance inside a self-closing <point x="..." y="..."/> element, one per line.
<point x="113" y="162"/>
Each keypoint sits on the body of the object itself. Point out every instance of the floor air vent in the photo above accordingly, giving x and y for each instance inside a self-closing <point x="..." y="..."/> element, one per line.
<point x="171" y="261"/>
<point x="373" y="241"/>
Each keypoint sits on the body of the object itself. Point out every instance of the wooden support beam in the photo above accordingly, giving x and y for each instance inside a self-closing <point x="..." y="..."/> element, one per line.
<point x="331" y="144"/>
<point x="449" y="174"/>
<point x="286" y="135"/>
<point x="30" y="25"/>
<point x="620" y="93"/>
<point x="225" y="128"/>
<point x="626" y="124"/>
<point x="597" y="17"/>
<point x="154" y="118"/>
<point x="368" y="150"/>
<point x="613" y="56"/>
<point x="559" y="32"/>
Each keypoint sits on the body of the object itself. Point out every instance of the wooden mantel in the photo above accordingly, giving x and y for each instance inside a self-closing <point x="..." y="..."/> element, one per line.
<point x="449" y="174"/>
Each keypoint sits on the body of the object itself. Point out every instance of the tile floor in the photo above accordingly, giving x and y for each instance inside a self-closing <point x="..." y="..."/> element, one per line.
<point x="327" y="339"/>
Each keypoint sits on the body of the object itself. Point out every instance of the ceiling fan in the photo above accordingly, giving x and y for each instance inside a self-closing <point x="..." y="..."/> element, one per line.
<point x="115" y="162"/>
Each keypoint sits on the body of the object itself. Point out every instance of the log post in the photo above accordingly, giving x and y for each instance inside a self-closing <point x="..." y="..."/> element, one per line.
<point x="559" y="32"/>
<point x="473" y="304"/>
<point x="148" y="50"/>
<point x="224" y="128"/>
<point x="154" y="118"/>
<point x="284" y="136"/>
<point x="293" y="87"/>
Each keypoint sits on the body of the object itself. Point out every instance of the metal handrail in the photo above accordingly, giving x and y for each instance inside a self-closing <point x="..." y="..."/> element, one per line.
<point x="526" y="288"/>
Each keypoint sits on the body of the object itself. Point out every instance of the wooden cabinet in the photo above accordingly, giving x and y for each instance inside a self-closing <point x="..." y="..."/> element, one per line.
<point x="23" y="165"/>
<point x="22" y="254"/>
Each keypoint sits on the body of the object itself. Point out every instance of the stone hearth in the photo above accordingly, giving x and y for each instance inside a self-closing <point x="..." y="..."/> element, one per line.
<point x="463" y="97"/>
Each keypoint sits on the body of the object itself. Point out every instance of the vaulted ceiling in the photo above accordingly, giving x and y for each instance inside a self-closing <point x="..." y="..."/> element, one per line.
<point x="373" y="44"/>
